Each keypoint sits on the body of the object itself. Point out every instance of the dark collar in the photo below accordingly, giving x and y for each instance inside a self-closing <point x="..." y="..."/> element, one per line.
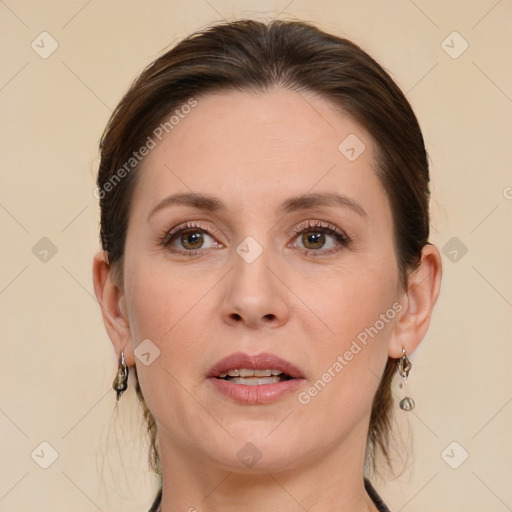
<point x="381" y="506"/>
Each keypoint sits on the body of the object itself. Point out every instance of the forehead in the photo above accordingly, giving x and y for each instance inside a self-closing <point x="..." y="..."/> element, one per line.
<point x="276" y="143"/>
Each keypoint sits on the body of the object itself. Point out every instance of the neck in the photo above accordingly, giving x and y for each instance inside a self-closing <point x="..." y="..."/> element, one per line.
<point x="328" y="481"/>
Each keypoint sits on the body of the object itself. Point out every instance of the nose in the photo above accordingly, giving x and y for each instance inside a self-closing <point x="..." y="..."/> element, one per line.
<point x="254" y="295"/>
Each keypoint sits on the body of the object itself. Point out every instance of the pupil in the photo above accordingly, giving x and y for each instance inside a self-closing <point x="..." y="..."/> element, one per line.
<point x="317" y="239"/>
<point x="192" y="240"/>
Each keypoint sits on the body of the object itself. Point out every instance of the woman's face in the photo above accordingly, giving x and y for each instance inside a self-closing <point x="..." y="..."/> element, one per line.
<point x="291" y="255"/>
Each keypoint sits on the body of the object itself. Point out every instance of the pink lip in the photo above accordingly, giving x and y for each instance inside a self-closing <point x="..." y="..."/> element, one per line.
<point x="261" y="394"/>
<point x="251" y="395"/>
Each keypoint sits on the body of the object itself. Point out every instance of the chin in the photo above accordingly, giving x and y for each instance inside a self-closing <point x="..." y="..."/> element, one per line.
<point x="257" y="454"/>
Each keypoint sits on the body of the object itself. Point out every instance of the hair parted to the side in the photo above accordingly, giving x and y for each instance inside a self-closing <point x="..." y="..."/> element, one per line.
<point x="249" y="55"/>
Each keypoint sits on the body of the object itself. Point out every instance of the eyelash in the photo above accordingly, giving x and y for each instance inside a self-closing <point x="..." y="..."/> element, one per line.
<point x="313" y="226"/>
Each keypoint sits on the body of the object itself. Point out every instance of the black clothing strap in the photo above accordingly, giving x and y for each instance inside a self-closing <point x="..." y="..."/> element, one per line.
<point x="381" y="506"/>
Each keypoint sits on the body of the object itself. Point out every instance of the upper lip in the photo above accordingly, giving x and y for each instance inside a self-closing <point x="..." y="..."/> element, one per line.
<point x="264" y="361"/>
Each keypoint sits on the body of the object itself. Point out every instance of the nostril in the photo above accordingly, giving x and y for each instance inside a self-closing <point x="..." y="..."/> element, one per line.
<point x="269" y="317"/>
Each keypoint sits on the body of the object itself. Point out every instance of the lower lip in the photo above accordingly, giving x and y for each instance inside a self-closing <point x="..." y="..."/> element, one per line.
<point x="250" y="395"/>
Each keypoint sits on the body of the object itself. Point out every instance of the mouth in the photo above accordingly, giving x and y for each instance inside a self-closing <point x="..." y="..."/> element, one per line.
<point x="252" y="377"/>
<point x="256" y="379"/>
<point x="249" y="368"/>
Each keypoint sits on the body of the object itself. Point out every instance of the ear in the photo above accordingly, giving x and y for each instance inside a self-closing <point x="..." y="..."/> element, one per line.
<point x="417" y="302"/>
<point x="113" y="307"/>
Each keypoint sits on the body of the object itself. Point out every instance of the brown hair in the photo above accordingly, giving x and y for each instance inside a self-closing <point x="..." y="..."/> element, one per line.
<point x="248" y="55"/>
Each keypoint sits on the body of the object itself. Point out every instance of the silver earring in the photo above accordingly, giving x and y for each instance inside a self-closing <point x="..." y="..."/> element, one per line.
<point x="404" y="367"/>
<point x="121" y="379"/>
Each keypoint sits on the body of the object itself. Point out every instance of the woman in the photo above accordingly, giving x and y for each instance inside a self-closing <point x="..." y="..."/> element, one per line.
<point x="266" y="269"/>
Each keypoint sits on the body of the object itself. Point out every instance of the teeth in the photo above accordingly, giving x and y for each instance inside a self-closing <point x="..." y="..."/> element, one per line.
<point x="262" y="373"/>
<point x="245" y="372"/>
<point x="255" y="381"/>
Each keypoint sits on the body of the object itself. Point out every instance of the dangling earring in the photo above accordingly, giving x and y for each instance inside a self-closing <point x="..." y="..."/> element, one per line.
<point x="121" y="379"/>
<point x="404" y="367"/>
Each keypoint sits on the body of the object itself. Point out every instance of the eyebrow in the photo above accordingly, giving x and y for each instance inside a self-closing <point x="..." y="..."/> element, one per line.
<point x="311" y="201"/>
<point x="198" y="201"/>
<point x="302" y="202"/>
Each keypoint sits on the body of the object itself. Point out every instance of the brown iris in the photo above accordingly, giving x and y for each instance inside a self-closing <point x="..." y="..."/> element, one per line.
<point x="192" y="239"/>
<point x="313" y="237"/>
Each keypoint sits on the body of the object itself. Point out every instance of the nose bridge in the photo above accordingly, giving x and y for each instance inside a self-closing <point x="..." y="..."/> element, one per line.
<point x="251" y="268"/>
<point x="254" y="295"/>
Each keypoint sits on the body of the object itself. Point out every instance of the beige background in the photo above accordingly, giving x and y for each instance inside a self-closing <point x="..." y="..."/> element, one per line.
<point x="56" y="360"/>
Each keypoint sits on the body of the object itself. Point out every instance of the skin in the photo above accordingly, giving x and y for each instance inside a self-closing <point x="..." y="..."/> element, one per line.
<point x="253" y="151"/>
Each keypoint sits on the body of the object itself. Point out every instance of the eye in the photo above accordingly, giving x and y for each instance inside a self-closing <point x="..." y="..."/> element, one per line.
<point x="320" y="238"/>
<point x="188" y="239"/>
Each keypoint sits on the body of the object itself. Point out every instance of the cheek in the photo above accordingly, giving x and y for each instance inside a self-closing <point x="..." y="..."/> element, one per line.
<point x="156" y="296"/>
<point x="360" y="308"/>
<point x="168" y="310"/>
<point x="353" y="298"/>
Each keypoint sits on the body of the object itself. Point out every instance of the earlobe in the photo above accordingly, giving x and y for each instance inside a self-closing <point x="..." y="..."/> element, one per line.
<point x="111" y="300"/>
<point x="418" y="301"/>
